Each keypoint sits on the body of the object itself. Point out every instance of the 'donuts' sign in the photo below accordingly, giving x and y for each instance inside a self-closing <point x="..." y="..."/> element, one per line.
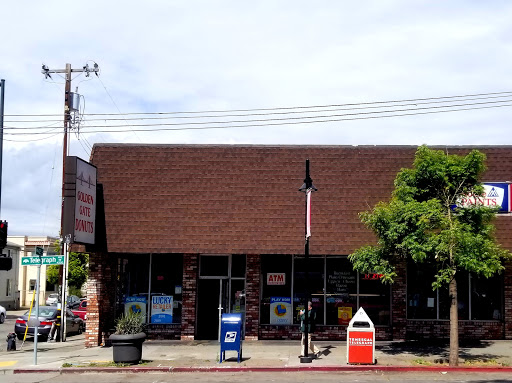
<point x="80" y="200"/>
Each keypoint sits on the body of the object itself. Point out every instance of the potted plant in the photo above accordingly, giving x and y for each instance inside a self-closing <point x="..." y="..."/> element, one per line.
<point x="128" y="338"/>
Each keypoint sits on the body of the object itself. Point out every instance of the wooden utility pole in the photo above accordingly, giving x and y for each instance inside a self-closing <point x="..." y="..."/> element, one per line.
<point x="65" y="149"/>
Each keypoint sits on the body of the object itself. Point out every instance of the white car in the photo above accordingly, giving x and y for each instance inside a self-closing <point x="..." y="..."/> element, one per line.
<point x="3" y="314"/>
<point x="52" y="299"/>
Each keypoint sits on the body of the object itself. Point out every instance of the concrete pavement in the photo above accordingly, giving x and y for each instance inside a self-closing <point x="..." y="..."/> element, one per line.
<point x="72" y="356"/>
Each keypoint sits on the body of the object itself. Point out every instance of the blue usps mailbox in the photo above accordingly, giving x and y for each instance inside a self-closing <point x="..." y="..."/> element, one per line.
<point x="231" y="335"/>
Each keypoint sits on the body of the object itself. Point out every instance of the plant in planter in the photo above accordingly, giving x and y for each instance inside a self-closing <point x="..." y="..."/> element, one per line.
<point x="128" y="338"/>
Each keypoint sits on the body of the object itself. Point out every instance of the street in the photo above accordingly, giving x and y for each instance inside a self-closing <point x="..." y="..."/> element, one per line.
<point x="284" y="377"/>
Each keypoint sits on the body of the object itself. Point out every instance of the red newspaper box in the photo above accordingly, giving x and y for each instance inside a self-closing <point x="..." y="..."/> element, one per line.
<point x="361" y="339"/>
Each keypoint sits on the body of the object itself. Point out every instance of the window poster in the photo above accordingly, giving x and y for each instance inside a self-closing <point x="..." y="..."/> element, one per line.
<point x="161" y="308"/>
<point x="281" y="310"/>
<point x="135" y="305"/>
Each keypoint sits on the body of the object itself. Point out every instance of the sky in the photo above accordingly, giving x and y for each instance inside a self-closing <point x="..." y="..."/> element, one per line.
<point x="290" y="65"/>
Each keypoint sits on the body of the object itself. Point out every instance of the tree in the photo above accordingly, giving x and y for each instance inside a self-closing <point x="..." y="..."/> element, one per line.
<point x="78" y="270"/>
<point x="423" y="223"/>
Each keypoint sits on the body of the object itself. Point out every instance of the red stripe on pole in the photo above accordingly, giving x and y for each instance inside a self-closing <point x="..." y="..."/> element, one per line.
<point x="308" y="213"/>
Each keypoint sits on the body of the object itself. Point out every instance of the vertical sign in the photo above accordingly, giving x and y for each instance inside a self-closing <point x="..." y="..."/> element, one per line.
<point x="161" y="308"/>
<point x="80" y="200"/>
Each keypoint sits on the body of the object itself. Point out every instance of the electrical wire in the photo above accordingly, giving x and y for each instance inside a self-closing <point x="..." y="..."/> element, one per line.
<point x="303" y="119"/>
<point x="272" y="113"/>
<point x="283" y="108"/>
<point x="273" y="124"/>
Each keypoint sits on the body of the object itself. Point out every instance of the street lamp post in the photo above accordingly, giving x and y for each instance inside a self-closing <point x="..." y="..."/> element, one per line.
<point x="307" y="188"/>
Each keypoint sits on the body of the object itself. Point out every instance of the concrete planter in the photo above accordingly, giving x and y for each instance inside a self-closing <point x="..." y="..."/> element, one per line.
<point x="127" y="348"/>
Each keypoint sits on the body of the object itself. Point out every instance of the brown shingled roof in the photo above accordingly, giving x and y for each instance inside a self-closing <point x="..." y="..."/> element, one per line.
<point x="245" y="199"/>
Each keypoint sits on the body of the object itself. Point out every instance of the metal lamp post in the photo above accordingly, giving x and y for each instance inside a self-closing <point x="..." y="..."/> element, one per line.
<point x="307" y="188"/>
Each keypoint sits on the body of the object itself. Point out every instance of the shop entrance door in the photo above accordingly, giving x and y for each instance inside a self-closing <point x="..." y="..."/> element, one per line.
<point x="213" y="301"/>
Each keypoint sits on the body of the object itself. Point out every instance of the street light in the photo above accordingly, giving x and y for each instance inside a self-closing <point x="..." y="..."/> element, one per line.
<point x="307" y="187"/>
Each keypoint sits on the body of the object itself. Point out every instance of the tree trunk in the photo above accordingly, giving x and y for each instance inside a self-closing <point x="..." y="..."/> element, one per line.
<point x="454" y="324"/>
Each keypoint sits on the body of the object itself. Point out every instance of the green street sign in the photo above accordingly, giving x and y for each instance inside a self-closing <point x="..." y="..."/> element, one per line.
<point x="48" y="260"/>
<point x="39" y="251"/>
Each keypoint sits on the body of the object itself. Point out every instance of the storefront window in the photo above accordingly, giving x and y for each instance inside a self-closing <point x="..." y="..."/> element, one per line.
<point x="315" y="269"/>
<point x="375" y="298"/>
<point x="341" y="291"/>
<point x="486" y="298"/>
<point x="162" y="274"/>
<point x="166" y="288"/>
<point x="276" y="273"/>
<point x="425" y="303"/>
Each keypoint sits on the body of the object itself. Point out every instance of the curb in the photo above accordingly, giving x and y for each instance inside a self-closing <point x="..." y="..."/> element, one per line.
<point x="75" y="370"/>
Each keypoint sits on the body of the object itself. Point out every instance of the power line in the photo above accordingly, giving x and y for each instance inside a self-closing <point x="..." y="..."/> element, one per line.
<point x="294" y="119"/>
<point x="277" y="123"/>
<point x="282" y="108"/>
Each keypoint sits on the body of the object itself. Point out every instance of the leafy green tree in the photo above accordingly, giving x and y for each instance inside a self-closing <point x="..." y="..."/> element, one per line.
<point x="78" y="270"/>
<point x="423" y="222"/>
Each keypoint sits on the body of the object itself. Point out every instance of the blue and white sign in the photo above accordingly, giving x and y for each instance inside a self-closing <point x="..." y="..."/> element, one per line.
<point x="161" y="308"/>
<point x="281" y="310"/>
<point x="230" y="337"/>
<point x="135" y="305"/>
<point x="496" y="194"/>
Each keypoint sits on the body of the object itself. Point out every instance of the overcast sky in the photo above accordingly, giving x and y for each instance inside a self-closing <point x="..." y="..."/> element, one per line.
<point x="190" y="56"/>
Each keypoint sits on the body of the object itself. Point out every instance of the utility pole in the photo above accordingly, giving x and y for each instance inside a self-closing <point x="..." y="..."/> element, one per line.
<point x="65" y="149"/>
<point x="2" y="94"/>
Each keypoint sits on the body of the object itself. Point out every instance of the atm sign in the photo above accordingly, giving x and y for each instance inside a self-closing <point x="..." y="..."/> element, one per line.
<point x="276" y="279"/>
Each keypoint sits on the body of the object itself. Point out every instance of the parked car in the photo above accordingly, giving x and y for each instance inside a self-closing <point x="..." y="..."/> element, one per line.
<point x="3" y="314"/>
<point x="81" y="310"/>
<point x="52" y="299"/>
<point x="47" y="316"/>
<point x="72" y="300"/>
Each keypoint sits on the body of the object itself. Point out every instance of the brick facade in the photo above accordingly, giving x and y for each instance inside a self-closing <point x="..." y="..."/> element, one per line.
<point x="189" y="291"/>
<point x="239" y="218"/>
<point x="101" y="292"/>
<point x="252" y="297"/>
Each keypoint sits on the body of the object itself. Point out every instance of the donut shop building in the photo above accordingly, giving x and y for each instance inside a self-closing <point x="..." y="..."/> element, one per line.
<point x="187" y="232"/>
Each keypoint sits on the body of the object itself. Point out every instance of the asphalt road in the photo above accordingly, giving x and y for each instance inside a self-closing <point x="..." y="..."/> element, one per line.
<point x="248" y="377"/>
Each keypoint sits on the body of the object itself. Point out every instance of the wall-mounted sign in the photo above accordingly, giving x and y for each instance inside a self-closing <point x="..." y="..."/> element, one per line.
<point x="496" y="194"/>
<point x="276" y="279"/>
<point x="135" y="305"/>
<point x="80" y="200"/>
<point x="280" y="310"/>
<point x="161" y="309"/>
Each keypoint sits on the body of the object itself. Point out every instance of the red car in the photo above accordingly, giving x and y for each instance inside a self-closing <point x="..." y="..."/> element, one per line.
<point x="81" y="310"/>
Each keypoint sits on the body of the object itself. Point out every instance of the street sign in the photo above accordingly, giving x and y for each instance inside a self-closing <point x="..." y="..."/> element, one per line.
<point x="48" y="260"/>
<point x="39" y="251"/>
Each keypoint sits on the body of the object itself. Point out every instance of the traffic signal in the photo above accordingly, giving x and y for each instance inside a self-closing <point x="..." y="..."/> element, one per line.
<point x="3" y="234"/>
<point x="5" y="263"/>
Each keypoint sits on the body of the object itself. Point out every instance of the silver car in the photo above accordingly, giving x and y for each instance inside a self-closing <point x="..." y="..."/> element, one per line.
<point x="3" y="314"/>
<point x="52" y="299"/>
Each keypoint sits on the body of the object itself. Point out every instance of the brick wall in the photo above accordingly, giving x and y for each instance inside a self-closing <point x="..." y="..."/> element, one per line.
<point x="189" y="292"/>
<point x="507" y="311"/>
<point x="436" y="329"/>
<point x="164" y="331"/>
<point x="252" y="297"/>
<point x="100" y="298"/>
<point x="398" y="302"/>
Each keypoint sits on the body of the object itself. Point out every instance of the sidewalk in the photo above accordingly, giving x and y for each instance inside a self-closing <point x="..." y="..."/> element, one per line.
<point x="178" y="356"/>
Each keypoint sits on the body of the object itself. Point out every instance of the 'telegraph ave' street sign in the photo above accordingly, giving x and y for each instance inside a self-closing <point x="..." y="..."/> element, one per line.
<point x="47" y="260"/>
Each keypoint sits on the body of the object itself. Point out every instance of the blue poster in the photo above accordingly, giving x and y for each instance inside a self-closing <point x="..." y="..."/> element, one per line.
<point x="161" y="309"/>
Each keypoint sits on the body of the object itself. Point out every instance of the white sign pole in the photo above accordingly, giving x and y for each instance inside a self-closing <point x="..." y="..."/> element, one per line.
<point x="39" y="252"/>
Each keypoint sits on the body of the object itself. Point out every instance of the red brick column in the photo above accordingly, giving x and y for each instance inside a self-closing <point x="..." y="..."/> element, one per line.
<point x="399" y="303"/>
<point x="101" y="284"/>
<point x="189" y="292"/>
<point x="507" y="292"/>
<point x="252" y="297"/>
